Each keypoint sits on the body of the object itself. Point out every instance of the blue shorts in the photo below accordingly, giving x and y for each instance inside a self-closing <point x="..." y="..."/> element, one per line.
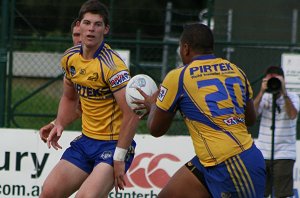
<point x="243" y="175"/>
<point x="86" y="153"/>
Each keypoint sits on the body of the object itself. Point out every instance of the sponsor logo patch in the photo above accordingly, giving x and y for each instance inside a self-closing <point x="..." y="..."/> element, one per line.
<point x="119" y="78"/>
<point x="233" y="120"/>
<point x="72" y="70"/>
<point x="225" y="194"/>
<point x="106" y="155"/>
<point x="162" y="93"/>
<point x="64" y="71"/>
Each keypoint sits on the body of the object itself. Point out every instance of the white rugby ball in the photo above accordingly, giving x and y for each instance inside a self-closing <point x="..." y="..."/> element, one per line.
<point x="142" y="81"/>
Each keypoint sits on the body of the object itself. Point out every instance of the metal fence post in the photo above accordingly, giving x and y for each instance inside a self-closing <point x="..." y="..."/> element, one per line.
<point x="294" y="28"/>
<point x="3" y="60"/>
<point x="168" y="21"/>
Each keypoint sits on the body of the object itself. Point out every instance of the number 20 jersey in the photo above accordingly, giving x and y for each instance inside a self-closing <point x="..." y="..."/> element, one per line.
<point x="211" y="94"/>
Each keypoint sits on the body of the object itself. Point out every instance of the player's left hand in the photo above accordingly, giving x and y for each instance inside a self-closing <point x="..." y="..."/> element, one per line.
<point x="119" y="174"/>
<point x="54" y="136"/>
<point x="283" y="89"/>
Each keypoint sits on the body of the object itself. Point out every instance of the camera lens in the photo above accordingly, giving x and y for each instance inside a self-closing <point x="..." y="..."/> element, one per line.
<point x="273" y="85"/>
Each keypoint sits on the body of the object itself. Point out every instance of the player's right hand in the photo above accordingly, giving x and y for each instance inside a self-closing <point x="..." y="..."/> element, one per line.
<point x="45" y="131"/>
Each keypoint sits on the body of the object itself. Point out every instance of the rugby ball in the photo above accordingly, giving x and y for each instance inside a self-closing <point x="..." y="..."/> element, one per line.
<point x="142" y="81"/>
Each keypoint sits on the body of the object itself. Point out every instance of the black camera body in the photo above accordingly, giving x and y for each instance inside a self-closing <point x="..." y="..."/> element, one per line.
<point x="273" y="85"/>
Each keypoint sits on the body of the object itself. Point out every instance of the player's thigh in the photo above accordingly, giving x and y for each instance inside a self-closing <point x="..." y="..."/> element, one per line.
<point x="99" y="183"/>
<point x="184" y="184"/>
<point x="64" y="179"/>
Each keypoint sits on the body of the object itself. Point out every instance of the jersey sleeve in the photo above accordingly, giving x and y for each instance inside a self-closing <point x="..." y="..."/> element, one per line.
<point x="249" y="90"/>
<point x="118" y="76"/>
<point x="169" y="92"/>
<point x="63" y="64"/>
<point x="66" y="69"/>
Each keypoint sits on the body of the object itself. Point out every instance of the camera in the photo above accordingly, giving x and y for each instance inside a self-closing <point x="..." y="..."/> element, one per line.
<point x="273" y="85"/>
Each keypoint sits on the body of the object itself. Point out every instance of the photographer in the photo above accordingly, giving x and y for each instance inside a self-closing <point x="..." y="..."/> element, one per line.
<point x="287" y="107"/>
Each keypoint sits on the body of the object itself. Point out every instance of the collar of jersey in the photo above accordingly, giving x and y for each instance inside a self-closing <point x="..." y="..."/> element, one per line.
<point x="204" y="57"/>
<point x="97" y="51"/>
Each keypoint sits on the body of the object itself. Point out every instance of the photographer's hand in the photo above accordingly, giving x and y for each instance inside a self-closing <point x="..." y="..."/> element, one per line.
<point x="283" y="89"/>
<point x="264" y="84"/>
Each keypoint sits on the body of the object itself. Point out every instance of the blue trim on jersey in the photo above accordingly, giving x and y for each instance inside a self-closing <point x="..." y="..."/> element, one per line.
<point x="106" y="57"/>
<point x="116" y="54"/>
<point x="204" y="57"/>
<point x="109" y="56"/>
<point x="174" y="107"/>
<point x="102" y="73"/>
<point x="247" y="88"/>
<point x="186" y="104"/>
<point x="192" y="112"/>
<point x="97" y="51"/>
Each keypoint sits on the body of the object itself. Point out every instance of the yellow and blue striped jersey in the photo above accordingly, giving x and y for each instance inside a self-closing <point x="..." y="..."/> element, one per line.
<point x="211" y="94"/>
<point x="95" y="81"/>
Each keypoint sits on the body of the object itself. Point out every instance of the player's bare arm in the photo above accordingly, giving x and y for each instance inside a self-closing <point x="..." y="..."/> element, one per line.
<point x="250" y="113"/>
<point x="128" y="128"/>
<point x="66" y="113"/>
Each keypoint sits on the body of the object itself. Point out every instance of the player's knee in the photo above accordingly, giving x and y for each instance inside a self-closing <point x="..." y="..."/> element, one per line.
<point x="47" y="193"/>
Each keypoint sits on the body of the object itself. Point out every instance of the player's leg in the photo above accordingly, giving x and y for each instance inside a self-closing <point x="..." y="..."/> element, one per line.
<point x="99" y="183"/>
<point x="63" y="180"/>
<point x="101" y="180"/>
<point x="184" y="184"/>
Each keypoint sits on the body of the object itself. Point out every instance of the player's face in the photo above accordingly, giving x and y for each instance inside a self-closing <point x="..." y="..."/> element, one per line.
<point x="92" y="30"/>
<point x="76" y="35"/>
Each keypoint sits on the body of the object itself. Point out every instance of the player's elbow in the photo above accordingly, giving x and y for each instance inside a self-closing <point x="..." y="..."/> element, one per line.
<point x="156" y="131"/>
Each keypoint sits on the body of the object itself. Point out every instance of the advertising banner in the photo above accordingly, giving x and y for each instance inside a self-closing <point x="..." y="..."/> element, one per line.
<point x="25" y="161"/>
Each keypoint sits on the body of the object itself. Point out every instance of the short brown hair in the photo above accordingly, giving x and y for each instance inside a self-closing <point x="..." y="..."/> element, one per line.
<point x="94" y="7"/>
<point x="73" y="24"/>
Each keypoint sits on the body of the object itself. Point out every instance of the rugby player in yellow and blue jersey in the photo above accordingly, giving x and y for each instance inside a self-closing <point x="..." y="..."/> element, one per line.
<point x="214" y="97"/>
<point x="97" y="160"/>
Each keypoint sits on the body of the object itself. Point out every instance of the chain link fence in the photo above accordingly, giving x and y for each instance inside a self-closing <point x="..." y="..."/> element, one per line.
<point x="34" y="79"/>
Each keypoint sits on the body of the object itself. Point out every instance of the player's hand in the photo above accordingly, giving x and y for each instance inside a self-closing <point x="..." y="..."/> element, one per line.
<point x="264" y="84"/>
<point x="45" y="131"/>
<point x="54" y="136"/>
<point x="283" y="89"/>
<point x="119" y="174"/>
<point x="147" y="102"/>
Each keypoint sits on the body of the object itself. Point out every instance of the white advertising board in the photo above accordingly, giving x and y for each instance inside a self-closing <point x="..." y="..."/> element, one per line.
<point x="25" y="161"/>
<point x="291" y="66"/>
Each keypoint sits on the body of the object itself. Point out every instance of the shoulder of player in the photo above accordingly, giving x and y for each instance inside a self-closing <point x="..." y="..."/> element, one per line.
<point x="72" y="50"/>
<point x="175" y="71"/>
<point x="110" y="58"/>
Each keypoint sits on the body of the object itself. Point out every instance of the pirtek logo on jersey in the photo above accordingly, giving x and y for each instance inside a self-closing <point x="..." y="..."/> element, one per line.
<point x="150" y="176"/>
